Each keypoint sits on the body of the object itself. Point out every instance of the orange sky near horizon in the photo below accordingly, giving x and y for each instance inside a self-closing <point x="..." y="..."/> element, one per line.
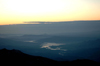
<point x="20" y="11"/>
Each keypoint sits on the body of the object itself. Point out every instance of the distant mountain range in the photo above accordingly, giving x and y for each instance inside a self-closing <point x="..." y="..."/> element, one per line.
<point x="16" y="57"/>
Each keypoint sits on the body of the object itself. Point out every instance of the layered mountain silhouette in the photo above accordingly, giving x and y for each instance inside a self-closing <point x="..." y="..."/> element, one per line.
<point x="16" y="57"/>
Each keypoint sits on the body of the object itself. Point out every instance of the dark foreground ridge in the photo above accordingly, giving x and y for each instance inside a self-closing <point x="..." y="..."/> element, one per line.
<point x="16" y="57"/>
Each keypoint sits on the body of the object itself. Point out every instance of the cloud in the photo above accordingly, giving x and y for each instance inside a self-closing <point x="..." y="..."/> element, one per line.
<point x="38" y="22"/>
<point x="48" y="46"/>
<point x="65" y="28"/>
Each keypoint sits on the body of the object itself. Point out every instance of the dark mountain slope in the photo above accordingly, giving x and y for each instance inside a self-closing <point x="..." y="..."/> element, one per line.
<point x="16" y="57"/>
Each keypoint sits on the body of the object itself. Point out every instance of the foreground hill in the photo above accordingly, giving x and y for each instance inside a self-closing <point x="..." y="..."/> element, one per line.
<point x="16" y="57"/>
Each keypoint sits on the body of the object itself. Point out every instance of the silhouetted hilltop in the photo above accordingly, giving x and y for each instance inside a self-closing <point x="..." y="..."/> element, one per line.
<point x="16" y="57"/>
<point x="19" y="58"/>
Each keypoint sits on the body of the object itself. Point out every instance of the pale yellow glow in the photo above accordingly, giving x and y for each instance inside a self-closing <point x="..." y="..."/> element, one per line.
<point x="19" y="11"/>
<point x="35" y="7"/>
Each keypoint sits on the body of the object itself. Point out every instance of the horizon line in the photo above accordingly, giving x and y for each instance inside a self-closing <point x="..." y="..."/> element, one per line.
<point x="45" y="22"/>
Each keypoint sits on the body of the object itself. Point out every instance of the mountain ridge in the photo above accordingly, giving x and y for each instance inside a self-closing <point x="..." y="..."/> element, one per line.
<point x="17" y="57"/>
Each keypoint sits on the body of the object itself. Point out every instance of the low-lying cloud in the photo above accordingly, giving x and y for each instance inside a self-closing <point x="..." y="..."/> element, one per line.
<point x="48" y="46"/>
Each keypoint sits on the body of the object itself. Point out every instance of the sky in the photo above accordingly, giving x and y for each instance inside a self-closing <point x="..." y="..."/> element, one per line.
<point x="20" y="11"/>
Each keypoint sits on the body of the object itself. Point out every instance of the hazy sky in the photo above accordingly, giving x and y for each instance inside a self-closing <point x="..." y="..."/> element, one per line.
<point x="19" y="11"/>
